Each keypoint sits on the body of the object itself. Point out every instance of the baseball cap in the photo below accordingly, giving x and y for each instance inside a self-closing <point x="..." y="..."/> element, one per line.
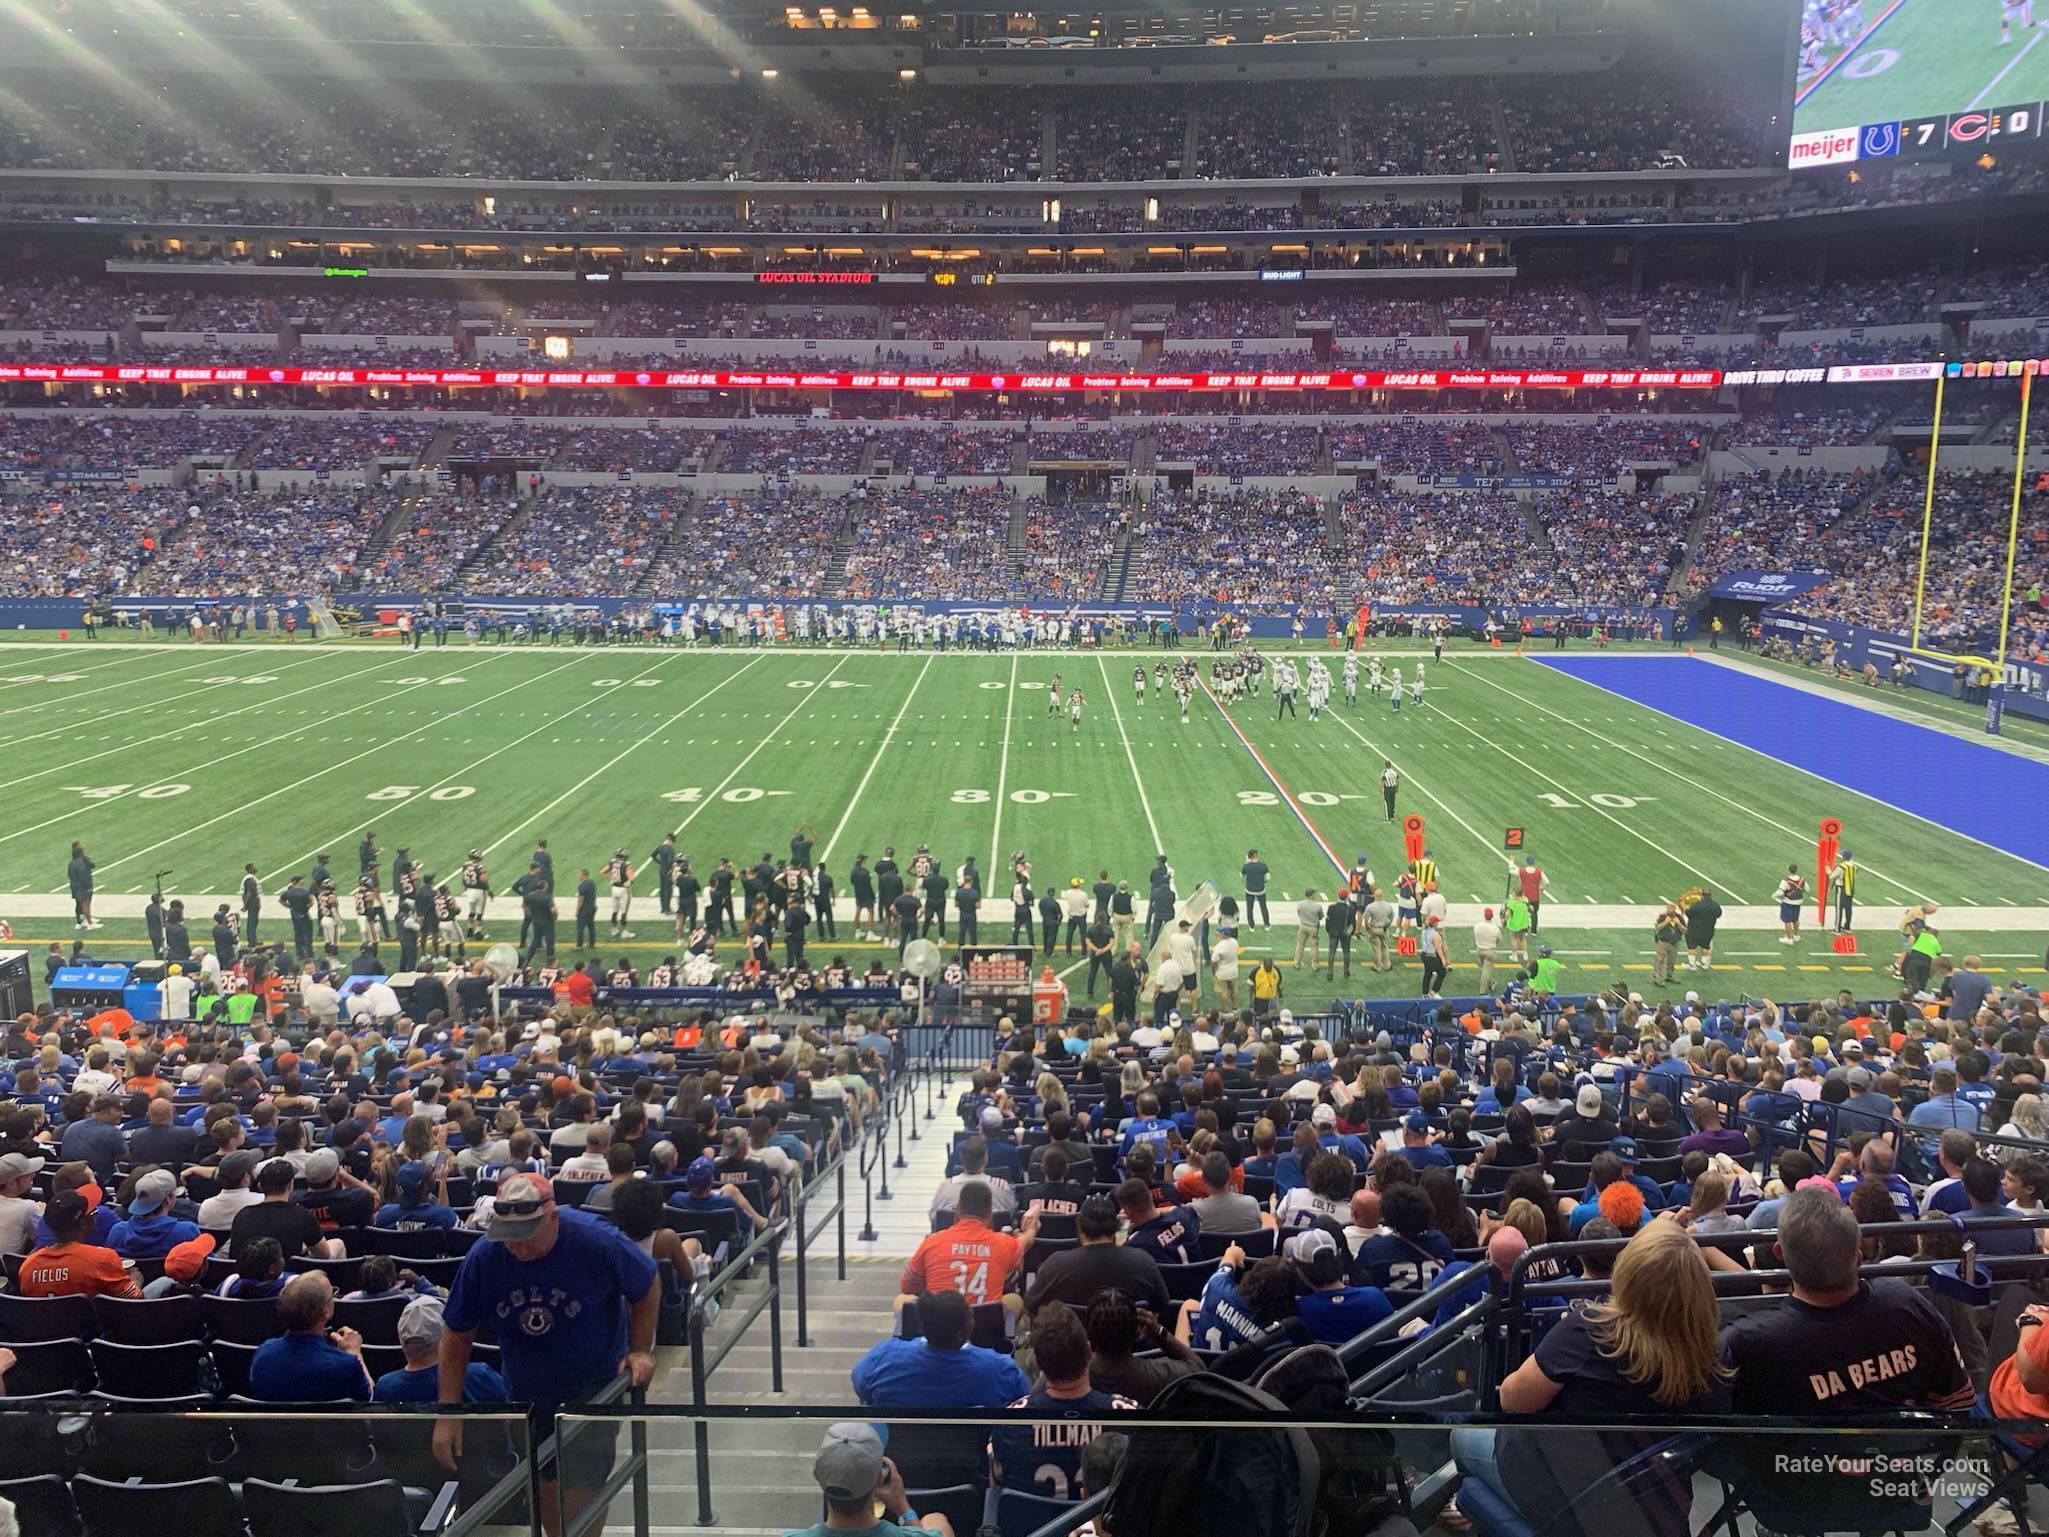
<point x="14" y="1165"/>
<point x="701" y="1173"/>
<point x="1324" y="1115"/>
<point x="239" y="1165"/>
<point x="184" y="1260"/>
<point x="1416" y="1121"/>
<point x="519" y="1208"/>
<point x="1858" y="1078"/>
<point x="1588" y="1100"/>
<point x="412" y="1184"/>
<point x="1306" y="1245"/>
<point x="321" y="1166"/>
<point x="1693" y="997"/>
<point x="153" y="1191"/>
<point x="420" y="1322"/>
<point x="1626" y="1149"/>
<point x="849" y="1461"/>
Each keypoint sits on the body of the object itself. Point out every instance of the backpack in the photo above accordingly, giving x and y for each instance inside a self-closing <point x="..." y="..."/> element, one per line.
<point x="1353" y="1496"/>
<point x="1220" y="1480"/>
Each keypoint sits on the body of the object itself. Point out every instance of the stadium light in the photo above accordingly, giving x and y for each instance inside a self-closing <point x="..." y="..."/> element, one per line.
<point x="770" y="74"/>
<point x="907" y="74"/>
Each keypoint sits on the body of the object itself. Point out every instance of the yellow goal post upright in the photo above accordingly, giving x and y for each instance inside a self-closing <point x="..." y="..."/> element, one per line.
<point x="1995" y="664"/>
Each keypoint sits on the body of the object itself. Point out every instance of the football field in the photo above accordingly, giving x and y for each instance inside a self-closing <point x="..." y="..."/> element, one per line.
<point x="165" y="757"/>
<point x="1926" y="58"/>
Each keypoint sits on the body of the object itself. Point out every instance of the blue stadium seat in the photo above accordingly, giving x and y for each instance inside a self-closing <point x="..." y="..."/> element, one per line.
<point x="150" y="1320"/>
<point x="116" y="1509"/>
<point x="25" y="1320"/>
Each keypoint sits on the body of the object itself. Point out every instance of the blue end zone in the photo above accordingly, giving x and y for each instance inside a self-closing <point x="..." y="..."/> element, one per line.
<point x="1996" y="797"/>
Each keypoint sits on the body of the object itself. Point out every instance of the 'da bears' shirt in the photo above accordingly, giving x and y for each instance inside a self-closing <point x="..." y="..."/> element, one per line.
<point x="1046" y="1459"/>
<point x="1885" y="1348"/>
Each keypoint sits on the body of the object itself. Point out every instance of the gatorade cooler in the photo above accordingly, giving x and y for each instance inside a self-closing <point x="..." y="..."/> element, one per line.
<point x="1049" y="999"/>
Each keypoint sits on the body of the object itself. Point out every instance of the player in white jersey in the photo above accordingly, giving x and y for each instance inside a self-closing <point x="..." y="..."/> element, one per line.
<point x="1416" y="688"/>
<point x="1074" y="709"/>
<point x="1319" y="690"/>
<point x="1395" y="688"/>
<point x="1351" y="677"/>
<point x="1437" y="645"/>
<point x="1053" y="695"/>
<point x="1373" y="675"/>
<point x="2011" y="11"/>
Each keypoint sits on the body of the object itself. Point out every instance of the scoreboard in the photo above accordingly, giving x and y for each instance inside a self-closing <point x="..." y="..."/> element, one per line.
<point x="1921" y="138"/>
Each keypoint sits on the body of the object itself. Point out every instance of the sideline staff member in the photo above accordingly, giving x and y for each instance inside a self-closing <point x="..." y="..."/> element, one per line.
<point x="575" y="1302"/>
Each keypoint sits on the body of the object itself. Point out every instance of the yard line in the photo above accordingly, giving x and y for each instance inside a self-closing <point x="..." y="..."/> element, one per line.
<point x="1802" y="838"/>
<point x="719" y="789"/>
<point x="1408" y="778"/>
<point x="82" y="671"/>
<point x="874" y="763"/>
<point x="1145" y="804"/>
<point x="613" y="761"/>
<point x="390" y="808"/>
<point x="1730" y="740"/>
<point x="149" y="783"/>
<point x="374" y="748"/>
<point x="158" y="704"/>
<point x="1002" y="771"/>
<point x="1560" y="786"/>
<point x="2011" y="65"/>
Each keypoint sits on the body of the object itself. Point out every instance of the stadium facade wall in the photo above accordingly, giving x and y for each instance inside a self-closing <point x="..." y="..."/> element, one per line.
<point x="1855" y="644"/>
<point x="67" y="613"/>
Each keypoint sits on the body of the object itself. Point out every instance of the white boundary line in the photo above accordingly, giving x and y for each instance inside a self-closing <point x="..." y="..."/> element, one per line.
<point x="329" y="768"/>
<point x="1003" y="774"/>
<point x="873" y="764"/>
<point x="613" y="761"/>
<point x="1801" y="838"/>
<point x="1822" y="779"/>
<point x="768" y="736"/>
<point x="1145" y="804"/>
<point x="388" y="808"/>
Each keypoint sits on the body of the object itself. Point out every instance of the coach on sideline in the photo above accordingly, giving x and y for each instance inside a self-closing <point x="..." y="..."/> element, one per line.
<point x="575" y="1303"/>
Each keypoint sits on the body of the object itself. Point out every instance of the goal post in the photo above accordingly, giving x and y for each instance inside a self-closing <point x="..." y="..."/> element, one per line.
<point x="1995" y="664"/>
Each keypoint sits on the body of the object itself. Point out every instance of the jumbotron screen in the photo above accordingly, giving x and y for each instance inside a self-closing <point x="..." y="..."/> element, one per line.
<point x="1886" y="79"/>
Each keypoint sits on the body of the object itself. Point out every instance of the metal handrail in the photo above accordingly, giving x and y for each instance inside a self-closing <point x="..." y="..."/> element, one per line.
<point x="769" y="1241"/>
<point x="837" y="1170"/>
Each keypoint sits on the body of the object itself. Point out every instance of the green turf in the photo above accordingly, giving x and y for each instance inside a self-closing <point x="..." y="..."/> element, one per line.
<point x="1931" y="57"/>
<point x="489" y="747"/>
